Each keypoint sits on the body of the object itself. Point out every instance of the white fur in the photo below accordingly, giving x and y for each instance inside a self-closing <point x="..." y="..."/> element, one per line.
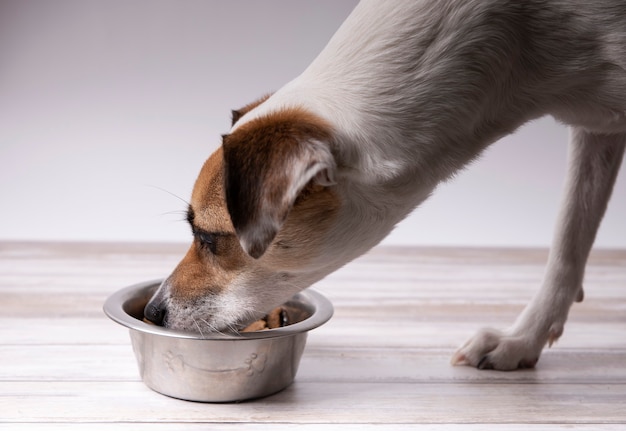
<point x="417" y="89"/>
<point x="414" y="90"/>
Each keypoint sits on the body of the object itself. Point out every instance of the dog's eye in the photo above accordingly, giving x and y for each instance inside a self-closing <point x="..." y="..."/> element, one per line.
<point x="207" y="241"/>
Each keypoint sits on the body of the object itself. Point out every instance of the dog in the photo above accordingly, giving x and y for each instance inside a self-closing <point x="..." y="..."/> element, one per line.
<point x="404" y="95"/>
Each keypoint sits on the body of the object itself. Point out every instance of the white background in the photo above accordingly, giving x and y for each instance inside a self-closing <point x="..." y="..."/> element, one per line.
<point x="109" y="108"/>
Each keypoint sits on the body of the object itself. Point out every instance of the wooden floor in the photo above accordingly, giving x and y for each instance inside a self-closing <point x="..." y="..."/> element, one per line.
<point x="382" y="362"/>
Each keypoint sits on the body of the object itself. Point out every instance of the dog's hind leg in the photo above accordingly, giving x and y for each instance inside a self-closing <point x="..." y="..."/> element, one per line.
<point x="594" y="161"/>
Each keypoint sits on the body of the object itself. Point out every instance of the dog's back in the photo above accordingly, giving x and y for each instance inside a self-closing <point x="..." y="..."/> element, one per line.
<point x="412" y="72"/>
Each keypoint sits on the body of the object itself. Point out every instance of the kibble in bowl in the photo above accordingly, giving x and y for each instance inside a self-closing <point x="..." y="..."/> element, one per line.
<point x="260" y="360"/>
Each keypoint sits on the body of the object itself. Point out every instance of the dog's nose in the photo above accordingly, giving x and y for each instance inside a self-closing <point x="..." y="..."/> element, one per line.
<point x="155" y="312"/>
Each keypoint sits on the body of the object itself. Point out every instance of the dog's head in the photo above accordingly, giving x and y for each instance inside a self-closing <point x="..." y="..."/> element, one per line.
<point x="262" y="213"/>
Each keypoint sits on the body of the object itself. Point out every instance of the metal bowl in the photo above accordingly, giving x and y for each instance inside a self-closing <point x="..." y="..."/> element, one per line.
<point x="220" y="367"/>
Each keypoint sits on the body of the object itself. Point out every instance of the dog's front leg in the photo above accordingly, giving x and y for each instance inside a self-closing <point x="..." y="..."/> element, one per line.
<point x="594" y="161"/>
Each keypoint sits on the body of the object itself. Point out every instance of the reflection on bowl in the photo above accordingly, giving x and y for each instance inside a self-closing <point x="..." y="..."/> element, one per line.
<point x="219" y="367"/>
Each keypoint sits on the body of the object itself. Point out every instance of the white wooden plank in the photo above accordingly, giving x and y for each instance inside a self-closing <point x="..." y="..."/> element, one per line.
<point x="309" y="402"/>
<point x="93" y="363"/>
<point x="212" y="426"/>
<point x="338" y="332"/>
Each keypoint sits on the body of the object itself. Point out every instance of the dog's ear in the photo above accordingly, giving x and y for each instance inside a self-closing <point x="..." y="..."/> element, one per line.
<point x="267" y="163"/>
<point x="236" y="114"/>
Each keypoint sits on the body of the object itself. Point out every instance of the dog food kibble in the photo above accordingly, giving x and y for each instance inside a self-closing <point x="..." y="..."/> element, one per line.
<point x="275" y="319"/>
<point x="259" y="325"/>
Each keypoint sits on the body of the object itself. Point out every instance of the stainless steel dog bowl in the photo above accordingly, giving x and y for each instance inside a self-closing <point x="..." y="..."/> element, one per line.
<point x="217" y="368"/>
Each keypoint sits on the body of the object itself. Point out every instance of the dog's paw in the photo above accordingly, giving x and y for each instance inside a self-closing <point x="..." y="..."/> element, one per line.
<point x="492" y="349"/>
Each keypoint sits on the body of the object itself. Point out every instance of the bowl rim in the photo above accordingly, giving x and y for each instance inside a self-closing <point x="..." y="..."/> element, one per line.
<point x="114" y="309"/>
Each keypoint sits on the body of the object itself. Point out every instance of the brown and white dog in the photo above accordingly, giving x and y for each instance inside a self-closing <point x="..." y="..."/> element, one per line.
<point x="404" y="95"/>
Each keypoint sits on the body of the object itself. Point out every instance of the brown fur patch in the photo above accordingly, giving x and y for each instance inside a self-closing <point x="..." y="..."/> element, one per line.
<point x="202" y="272"/>
<point x="258" y="166"/>
<point x="207" y="197"/>
<point x="304" y="233"/>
